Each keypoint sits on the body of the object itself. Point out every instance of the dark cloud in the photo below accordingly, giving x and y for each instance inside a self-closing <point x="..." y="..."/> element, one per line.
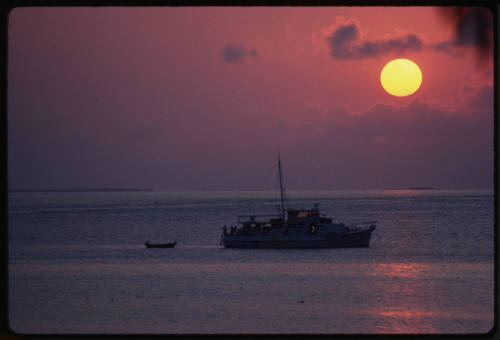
<point x="344" y="44"/>
<point x="236" y="54"/>
<point x="478" y="98"/>
<point x="448" y="47"/>
<point x="415" y="120"/>
<point x="344" y="35"/>
<point x="395" y="146"/>
<point x="340" y="116"/>
<point x="473" y="26"/>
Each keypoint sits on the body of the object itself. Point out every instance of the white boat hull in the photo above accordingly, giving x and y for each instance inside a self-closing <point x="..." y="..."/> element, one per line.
<point x="359" y="238"/>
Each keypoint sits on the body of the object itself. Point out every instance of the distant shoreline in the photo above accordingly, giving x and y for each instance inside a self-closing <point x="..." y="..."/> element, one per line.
<point x="236" y="191"/>
<point x="82" y="190"/>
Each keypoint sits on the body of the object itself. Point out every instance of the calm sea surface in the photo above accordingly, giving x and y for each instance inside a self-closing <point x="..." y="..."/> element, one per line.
<point x="77" y="264"/>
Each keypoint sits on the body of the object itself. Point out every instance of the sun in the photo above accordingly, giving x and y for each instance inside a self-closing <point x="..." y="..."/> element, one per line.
<point x="401" y="77"/>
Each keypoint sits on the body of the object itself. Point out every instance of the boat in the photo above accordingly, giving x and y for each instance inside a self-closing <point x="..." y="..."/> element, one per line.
<point x="295" y="228"/>
<point x="160" y="245"/>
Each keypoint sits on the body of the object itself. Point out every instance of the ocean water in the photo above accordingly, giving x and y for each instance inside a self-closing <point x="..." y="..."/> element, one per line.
<point x="77" y="265"/>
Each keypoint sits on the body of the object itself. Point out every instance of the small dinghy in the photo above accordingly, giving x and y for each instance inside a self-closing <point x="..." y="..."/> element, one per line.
<point x="160" y="245"/>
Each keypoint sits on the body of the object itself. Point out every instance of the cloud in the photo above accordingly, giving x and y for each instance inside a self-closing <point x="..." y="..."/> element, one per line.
<point x="478" y="98"/>
<point x="339" y="114"/>
<point x="416" y="120"/>
<point x="236" y="54"/>
<point x="473" y="27"/>
<point x="447" y="46"/>
<point x="345" y="44"/>
<point x="387" y="145"/>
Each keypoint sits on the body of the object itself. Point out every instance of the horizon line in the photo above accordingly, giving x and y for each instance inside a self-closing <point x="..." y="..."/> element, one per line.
<point x="235" y="190"/>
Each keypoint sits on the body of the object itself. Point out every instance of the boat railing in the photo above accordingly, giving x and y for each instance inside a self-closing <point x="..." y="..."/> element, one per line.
<point x="247" y="218"/>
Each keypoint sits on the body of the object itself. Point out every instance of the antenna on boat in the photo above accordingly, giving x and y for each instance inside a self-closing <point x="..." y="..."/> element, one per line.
<point x="281" y="189"/>
<point x="315" y="191"/>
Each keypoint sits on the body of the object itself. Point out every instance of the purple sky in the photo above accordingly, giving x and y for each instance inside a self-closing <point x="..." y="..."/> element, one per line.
<point x="203" y="98"/>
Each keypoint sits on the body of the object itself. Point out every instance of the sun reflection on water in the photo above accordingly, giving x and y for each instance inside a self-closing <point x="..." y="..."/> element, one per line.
<point x="399" y="269"/>
<point x="405" y="304"/>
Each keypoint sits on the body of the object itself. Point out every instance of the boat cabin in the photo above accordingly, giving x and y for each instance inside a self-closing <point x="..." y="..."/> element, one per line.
<point x="301" y="216"/>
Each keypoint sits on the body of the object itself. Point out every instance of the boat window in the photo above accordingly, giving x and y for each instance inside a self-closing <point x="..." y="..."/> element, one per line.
<point x="303" y="214"/>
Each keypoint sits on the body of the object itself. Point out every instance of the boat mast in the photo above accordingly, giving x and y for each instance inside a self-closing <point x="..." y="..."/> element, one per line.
<point x="281" y="190"/>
